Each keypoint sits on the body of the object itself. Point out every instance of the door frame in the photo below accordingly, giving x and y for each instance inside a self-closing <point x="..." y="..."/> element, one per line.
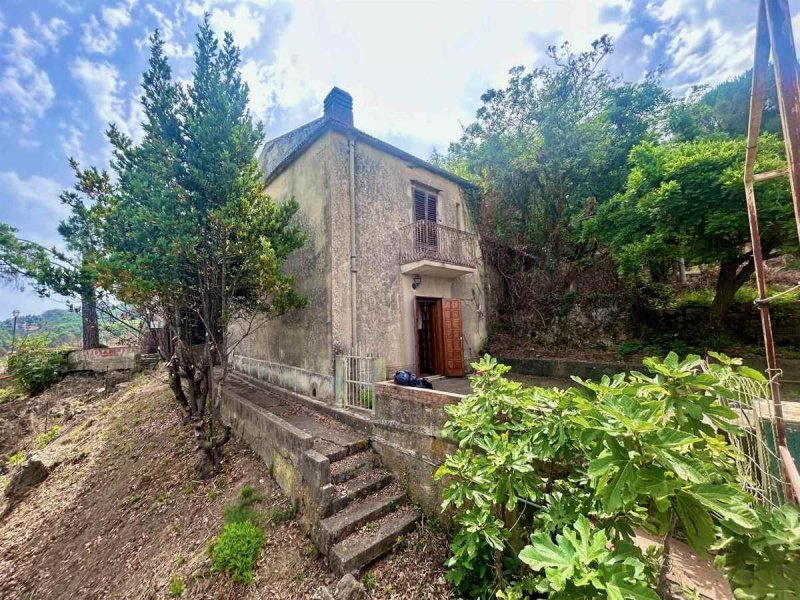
<point x="438" y="334"/>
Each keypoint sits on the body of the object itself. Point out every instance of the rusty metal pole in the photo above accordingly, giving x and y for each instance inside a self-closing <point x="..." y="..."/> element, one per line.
<point x="787" y="79"/>
<point x="757" y="96"/>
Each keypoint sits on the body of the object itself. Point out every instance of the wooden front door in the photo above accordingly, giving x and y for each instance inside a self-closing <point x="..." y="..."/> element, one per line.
<point x="452" y="329"/>
<point x="428" y="326"/>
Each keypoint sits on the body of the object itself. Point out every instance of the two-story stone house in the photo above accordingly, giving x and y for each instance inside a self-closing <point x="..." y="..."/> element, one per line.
<point x="391" y="268"/>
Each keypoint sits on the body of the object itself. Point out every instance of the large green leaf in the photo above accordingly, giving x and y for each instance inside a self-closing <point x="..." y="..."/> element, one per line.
<point x="630" y="591"/>
<point x="696" y="523"/>
<point x="542" y="553"/>
<point x="728" y="502"/>
<point x="619" y="490"/>
<point x="683" y="466"/>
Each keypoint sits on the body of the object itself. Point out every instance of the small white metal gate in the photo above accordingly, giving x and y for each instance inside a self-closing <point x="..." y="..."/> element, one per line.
<point x="356" y="374"/>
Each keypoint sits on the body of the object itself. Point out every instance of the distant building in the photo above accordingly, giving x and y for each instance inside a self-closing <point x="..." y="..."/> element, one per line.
<point x="391" y="269"/>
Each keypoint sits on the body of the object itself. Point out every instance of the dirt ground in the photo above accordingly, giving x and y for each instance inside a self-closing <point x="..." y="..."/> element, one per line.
<point x="121" y="514"/>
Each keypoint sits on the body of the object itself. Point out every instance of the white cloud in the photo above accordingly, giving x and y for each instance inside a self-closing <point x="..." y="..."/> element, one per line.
<point x="170" y="29"/>
<point x="258" y="77"/>
<point x="33" y="194"/>
<point x="117" y="17"/>
<point x="50" y="31"/>
<point x="100" y="34"/>
<point x="71" y="139"/>
<point x="419" y="73"/>
<point x="97" y="38"/>
<point x="244" y="24"/>
<point x="26" y="86"/>
<point x="103" y="86"/>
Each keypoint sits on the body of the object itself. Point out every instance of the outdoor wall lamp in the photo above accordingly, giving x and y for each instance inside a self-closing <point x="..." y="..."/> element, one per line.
<point x="415" y="281"/>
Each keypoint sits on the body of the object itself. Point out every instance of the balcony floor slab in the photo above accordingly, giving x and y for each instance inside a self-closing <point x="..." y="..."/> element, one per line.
<point x="435" y="268"/>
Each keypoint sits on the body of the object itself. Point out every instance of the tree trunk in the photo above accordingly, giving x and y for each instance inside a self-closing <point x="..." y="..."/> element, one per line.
<point x="91" y="330"/>
<point x="175" y="384"/>
<point x="732" y="276"/>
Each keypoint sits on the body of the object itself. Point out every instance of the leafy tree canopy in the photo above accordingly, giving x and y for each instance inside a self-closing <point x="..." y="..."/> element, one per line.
<point x="556" y="138"/>
<point x="687" y="200"/>
<point x="723" y="110"/>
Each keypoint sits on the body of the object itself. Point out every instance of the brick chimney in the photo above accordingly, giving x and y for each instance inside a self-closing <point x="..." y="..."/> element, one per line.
<point x="339" y="106"/>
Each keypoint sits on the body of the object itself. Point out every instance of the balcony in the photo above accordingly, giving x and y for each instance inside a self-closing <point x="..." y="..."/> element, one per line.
<point x="427" y="248"/>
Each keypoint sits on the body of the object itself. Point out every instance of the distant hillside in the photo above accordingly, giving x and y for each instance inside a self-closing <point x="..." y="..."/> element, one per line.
<point x="62" y="327"/>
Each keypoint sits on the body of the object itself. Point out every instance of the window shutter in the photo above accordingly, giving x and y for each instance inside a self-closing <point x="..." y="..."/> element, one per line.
<point x="431" y="212"/>
<point x="419" y="205"/>
<point x="424" y="206"/>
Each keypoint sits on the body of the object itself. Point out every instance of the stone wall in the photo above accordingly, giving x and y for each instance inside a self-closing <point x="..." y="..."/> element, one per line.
<point x="743" y="323"/>
<point x="406" y="432"/>
<point x="117" y="358"/>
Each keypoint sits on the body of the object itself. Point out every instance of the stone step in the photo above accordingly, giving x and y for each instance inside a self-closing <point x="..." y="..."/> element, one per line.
<point x="353" y="466"/>
<point x="370" y="542"/>
<point x="337" y="527"/>
<point x="358" y="487"/>
<point x="334" y="452"/>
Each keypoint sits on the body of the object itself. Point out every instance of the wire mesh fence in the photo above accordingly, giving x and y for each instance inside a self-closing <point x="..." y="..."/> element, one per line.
<point x="757" y="457"/>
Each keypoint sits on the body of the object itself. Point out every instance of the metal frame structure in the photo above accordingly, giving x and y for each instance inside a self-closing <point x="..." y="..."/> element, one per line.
<point x="774" y="37"/>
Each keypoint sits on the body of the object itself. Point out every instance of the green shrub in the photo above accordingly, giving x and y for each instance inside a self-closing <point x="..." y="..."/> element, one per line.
<point x="48" y="436"/>
<point x="16" y="459"/>
<point x="35" y="366"/>
<point x="176" y="586"/>
<point x="548" y="485"/>
<point x="236" y="550"/>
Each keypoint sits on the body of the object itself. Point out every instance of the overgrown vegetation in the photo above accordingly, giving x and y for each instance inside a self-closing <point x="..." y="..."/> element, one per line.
<point x="235" y="551"/>
<point x="35" y="365"/>
<point x="594" y="191"/>
<point x="548" y="486"/>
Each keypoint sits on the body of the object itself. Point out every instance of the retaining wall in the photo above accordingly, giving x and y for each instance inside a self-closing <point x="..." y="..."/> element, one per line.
<point x="117" y="358"/>
<point x="302" y="472"/>
<point x="406" y="431"/>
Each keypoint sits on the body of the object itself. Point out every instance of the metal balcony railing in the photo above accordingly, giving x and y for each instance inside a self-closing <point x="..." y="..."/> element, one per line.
<point x="426" y="240"/>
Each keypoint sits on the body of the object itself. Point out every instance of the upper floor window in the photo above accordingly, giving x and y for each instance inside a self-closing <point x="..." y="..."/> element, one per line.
<point x="425" y="208"/>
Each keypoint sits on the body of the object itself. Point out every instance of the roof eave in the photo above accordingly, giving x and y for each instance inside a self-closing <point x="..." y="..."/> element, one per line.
<point x="331" y="125"/>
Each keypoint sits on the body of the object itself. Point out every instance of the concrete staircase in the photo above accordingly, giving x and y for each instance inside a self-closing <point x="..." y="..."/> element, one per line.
<point x="368" y="511"/>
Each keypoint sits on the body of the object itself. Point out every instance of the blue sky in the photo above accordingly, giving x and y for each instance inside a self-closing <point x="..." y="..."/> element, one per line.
<point x="415" y="69"/>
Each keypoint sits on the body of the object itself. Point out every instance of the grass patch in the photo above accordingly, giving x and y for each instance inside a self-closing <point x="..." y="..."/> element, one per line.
<point x="235" y="551"/>
<point x="16" y="459"/>
<point x="243" y="509"/>
<point x="176" y="586"/>
<point x="370" y="580"/>
<point x="48" y="436"/>
<point x="9" y="393"/>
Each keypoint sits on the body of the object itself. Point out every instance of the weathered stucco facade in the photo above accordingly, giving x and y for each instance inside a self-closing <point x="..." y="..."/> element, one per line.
<point x="313" y="165"/>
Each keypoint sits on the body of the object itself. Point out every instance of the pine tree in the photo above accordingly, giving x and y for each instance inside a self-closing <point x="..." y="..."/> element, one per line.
<point x="189" y="232"/>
